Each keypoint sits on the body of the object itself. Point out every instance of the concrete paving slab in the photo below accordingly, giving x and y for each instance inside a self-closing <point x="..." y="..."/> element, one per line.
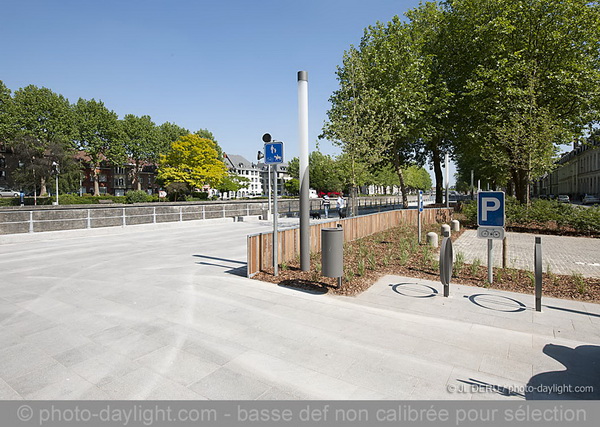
<point x="165" y="313"/>
<point x="178" y="365"/>
<point x="561" y="254"/>
<point x="227" y="384"/>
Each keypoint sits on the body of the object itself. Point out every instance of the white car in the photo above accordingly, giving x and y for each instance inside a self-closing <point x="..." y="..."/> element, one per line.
<point x="590" y="200"/>
<point x="5" y="192"/>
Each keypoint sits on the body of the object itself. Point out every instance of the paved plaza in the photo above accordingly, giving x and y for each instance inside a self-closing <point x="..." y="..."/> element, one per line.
<point x="562" y="254"/>
<point x="165" y="312"/>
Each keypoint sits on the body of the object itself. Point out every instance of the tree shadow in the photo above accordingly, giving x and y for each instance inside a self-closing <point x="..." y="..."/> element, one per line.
<point x="580" y="380"/>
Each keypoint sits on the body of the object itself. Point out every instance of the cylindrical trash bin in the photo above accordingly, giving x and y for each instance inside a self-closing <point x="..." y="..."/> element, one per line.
<point x="332" y="252"/>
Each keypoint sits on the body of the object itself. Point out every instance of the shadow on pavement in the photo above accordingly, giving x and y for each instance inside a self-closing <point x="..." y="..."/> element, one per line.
<point x="481" y="386"/>
<point x="236" y="271"/>
<point x="581" y="379"/>
<point x="570" y="310"/>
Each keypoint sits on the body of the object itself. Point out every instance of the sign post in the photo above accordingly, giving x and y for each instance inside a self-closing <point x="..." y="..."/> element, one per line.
<point x="420" y="209"/>
<point x="274" y="156"/>
<point x="490" y="219"/>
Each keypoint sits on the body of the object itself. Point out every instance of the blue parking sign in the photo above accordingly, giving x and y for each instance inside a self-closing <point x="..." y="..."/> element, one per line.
<point x="274" y="152"/>
<point x="490" y="209"/>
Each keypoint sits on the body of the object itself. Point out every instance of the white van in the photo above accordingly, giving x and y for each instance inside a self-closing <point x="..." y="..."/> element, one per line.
<point x="312" y="194"/>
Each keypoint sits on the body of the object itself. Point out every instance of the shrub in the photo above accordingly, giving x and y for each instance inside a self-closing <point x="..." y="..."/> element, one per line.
<point x="540" y="213"/>
<point x="137" y="196"/>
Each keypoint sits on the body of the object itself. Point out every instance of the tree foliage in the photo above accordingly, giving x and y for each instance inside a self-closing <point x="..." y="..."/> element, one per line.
<point x="232" y="182"/>
<point x="527" y="78"/>
<point x="192" y="161"/>
<point x="500" y="83"/>
<point x="324" y="171"/>
<point x="45" y="118"/>
<point x="97" y="132"/>
<point x="142" y="143"/>
<point x="376" y="114"/>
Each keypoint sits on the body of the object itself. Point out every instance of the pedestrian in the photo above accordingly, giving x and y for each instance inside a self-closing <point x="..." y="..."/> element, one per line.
<point x="341" y="204"/>
<point x="326" y="203"/>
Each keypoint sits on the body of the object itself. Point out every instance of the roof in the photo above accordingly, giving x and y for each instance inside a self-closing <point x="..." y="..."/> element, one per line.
<point x="238" y="162"/>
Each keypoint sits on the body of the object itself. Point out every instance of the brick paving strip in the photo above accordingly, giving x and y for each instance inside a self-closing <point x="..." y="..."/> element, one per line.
<point x="563" y="254"/>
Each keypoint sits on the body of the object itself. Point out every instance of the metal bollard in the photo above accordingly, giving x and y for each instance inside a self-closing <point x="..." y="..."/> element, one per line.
<point x="432" y="239"/>
<point x="445" y="228"/>
<point x="537" y="254"/>
<point x="455" y="225"/>
<point x="446" y="261"/>
<point x="332" y="253"/>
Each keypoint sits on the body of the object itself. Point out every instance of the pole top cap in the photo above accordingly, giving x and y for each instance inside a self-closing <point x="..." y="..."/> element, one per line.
<point x="303" y="75"/>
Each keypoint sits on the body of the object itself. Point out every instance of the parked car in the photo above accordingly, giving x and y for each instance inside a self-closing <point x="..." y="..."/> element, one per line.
<point x="590" y="199"/>
<point x="563" y="198"/>
<point x="6" y="192"/>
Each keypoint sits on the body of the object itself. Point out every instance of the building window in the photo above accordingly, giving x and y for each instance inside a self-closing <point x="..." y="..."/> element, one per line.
<point x="102" y="178"/>
<point x="120" y="182"/>
<point x="2" y="162"/>
<point x="119" y="171"/>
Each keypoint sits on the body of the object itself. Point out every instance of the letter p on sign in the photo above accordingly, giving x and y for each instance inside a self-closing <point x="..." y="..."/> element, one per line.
<point x="490" y="208"/>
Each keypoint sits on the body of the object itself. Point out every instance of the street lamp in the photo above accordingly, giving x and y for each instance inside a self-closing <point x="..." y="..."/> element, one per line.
<point x="56" y="172"/>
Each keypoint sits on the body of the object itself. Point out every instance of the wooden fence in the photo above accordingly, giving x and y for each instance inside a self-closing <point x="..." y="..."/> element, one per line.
<point x="260" y="246"/>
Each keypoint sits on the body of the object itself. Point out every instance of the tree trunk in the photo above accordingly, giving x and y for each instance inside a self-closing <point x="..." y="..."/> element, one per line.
<point x="403" y="188"/>
<point x="439" y="178"/>
<point x="137" y="177"/>
<point x="509" y="188"/>
<point x="43" y="189"/>
<point x="521" y="184"/>
<point x="96" y="177"/>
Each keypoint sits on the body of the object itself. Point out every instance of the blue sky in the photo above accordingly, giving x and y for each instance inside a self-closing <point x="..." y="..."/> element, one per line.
<point x="229" y="66"/>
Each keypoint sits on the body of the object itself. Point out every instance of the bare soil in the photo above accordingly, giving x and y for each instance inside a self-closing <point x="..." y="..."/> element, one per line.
<point x="398" y="252"/>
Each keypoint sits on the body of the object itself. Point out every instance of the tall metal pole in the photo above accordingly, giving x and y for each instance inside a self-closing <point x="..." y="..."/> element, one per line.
<point x="447" y="180"/>
<point x="471" y="184"/>
<point x="304" y="170"/>
<point x="275" y="230"/>
<point x="269" y="205"/>
<point x="490" y="262"/>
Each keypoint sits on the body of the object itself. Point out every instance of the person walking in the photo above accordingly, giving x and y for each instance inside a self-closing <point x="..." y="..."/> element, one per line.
<point x="326" y="204"/>
<point x="341" y="204"/>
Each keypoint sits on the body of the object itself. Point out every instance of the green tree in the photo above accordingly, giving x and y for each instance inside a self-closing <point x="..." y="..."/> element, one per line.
<point x="142" y="142"/>
<point x="376" y="115"/>
<point x="205" y="133"/>
<point x="417" y="178"/>
<point x="168" y="133"/>
<point x="323" y="170"/>
<point x="98" y="134"/>
<point x="5" y="111"/>
<point x="44" y="116"/>
<point x="292" y="186"/>
<point x="232" y="182"/>
<point x="527" y="77"/>
<point x="192" y="161"/>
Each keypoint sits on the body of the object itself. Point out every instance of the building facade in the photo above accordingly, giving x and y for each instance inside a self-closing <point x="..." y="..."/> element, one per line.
<point x="577" y="173"/>
<point x="258" y="174"/>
